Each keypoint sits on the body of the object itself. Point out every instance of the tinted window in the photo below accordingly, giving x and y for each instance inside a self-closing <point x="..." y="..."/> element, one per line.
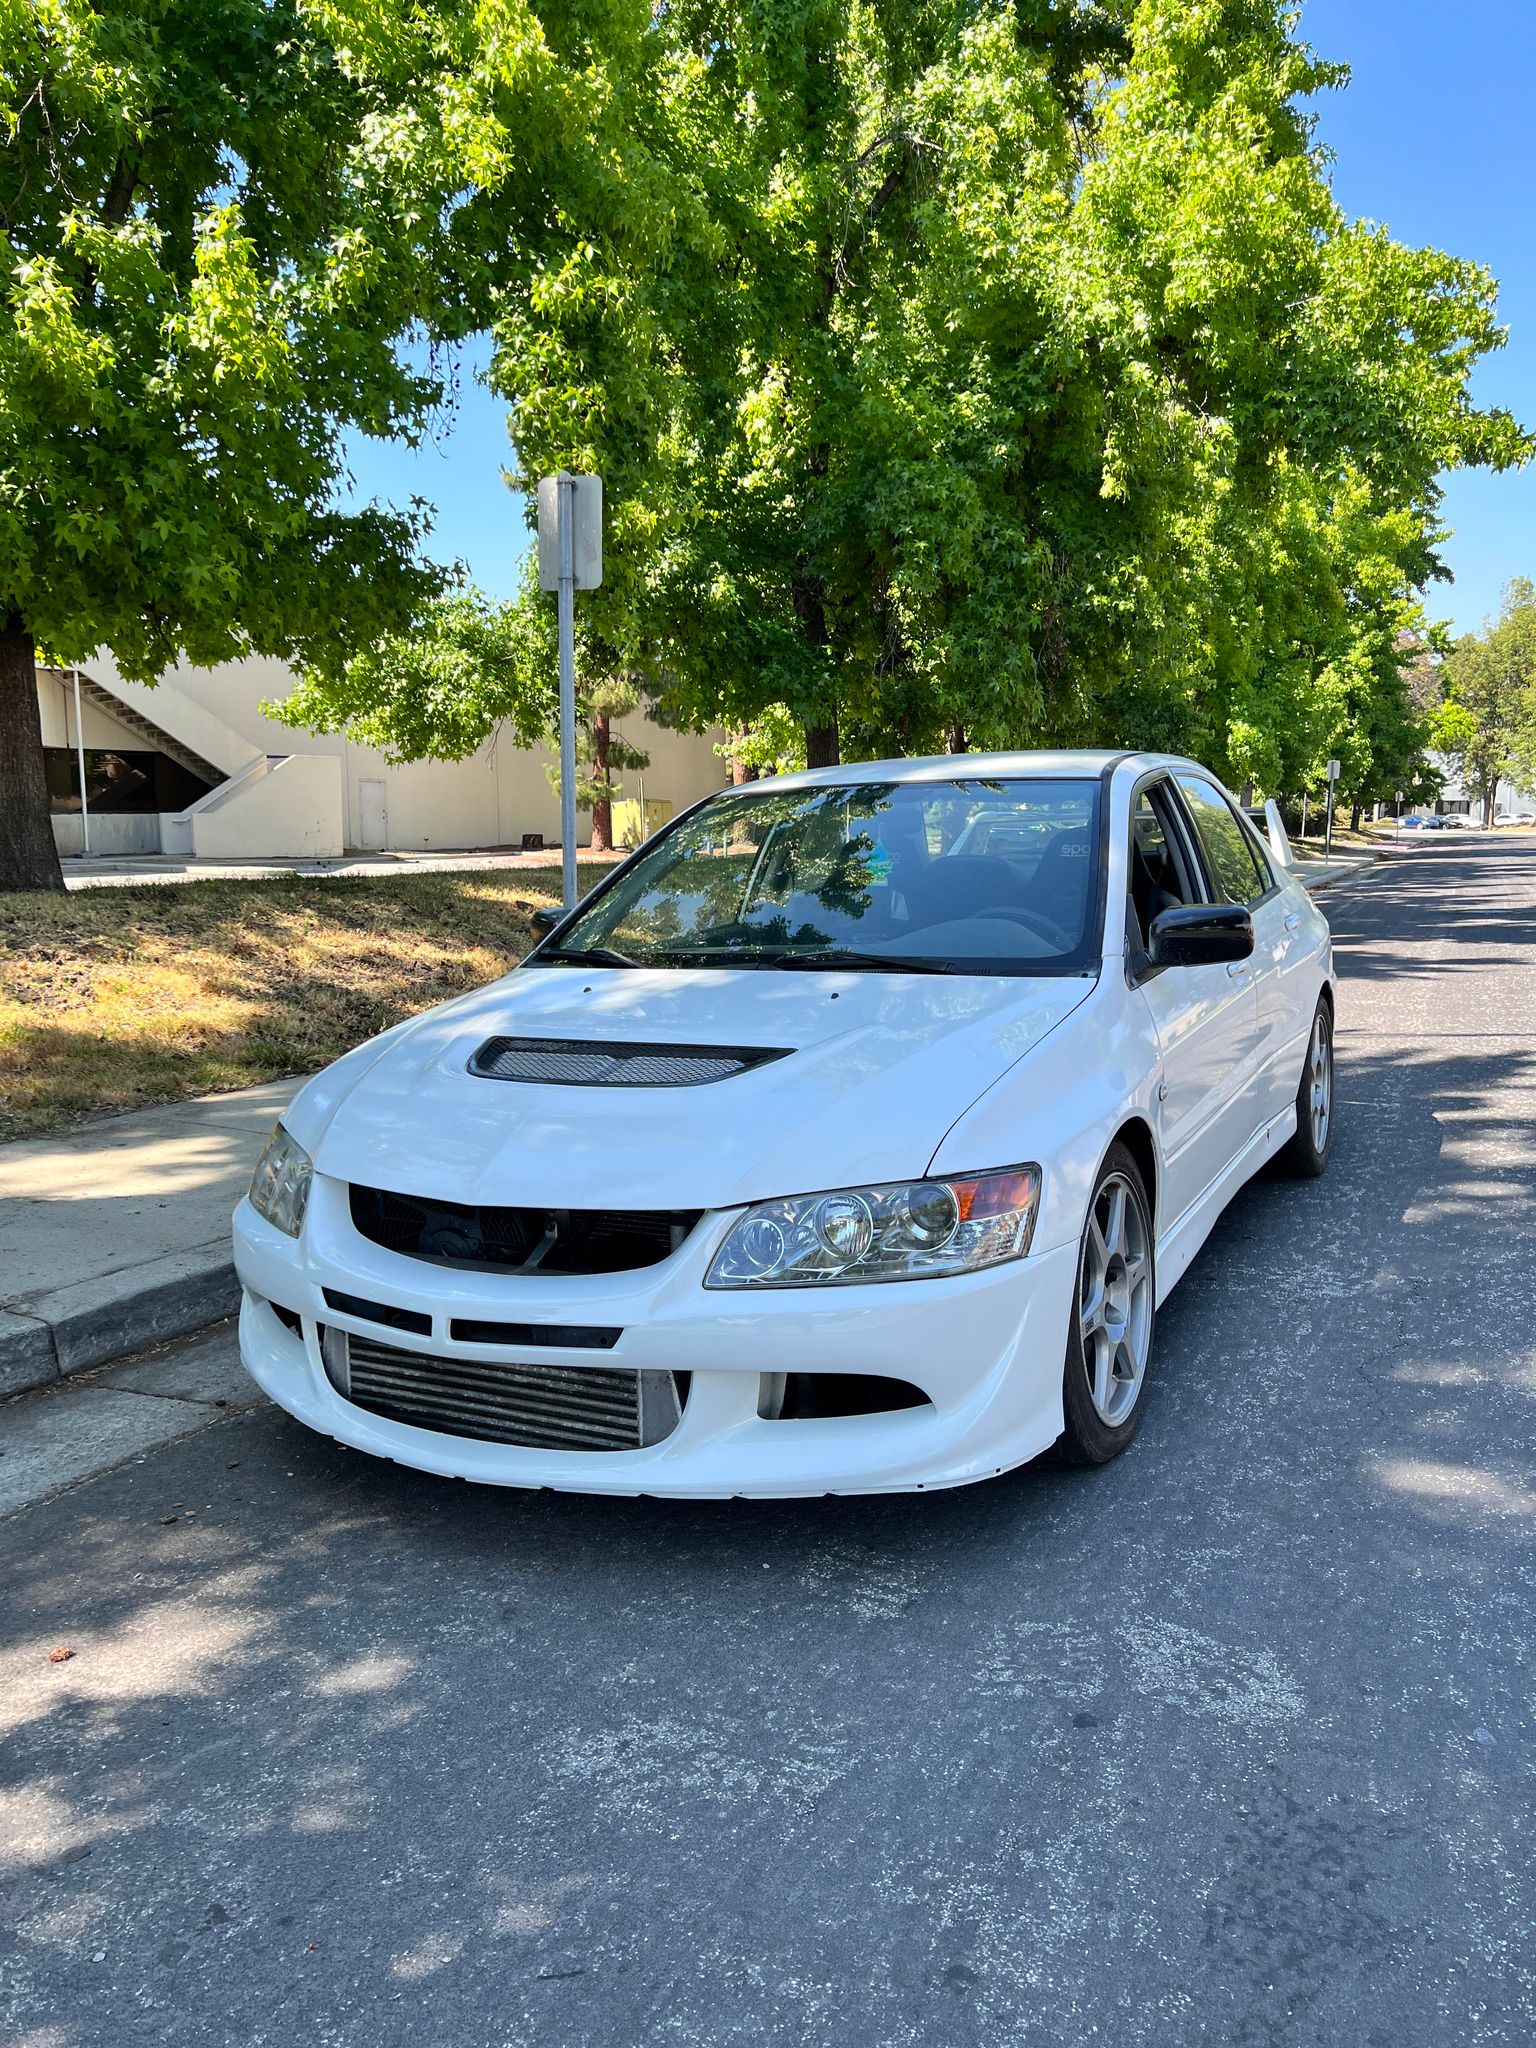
<point x="981" y="875"/>
<point x="1228" y="851"/>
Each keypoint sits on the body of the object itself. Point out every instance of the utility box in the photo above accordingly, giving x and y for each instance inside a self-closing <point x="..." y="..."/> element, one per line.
<point x="634" y="823"/>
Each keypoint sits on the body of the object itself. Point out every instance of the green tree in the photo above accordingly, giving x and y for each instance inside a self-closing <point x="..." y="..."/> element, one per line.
<point x="468" y="668"/>
<point x="441" y="688"/>
<point x="203" y="274"/>
<point x="991" y="375"/>
<point x="602" y="755"/>
<point x="231" y="230"/>
<point x="1488" y="724"/>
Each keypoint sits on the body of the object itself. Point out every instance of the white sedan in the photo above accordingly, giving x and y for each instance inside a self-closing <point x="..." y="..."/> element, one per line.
<point x="722" y="1193"/>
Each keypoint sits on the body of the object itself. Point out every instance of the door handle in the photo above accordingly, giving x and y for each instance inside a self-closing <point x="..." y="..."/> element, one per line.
<point x="1237" y="969"/>
<point x="1293" y="920"/>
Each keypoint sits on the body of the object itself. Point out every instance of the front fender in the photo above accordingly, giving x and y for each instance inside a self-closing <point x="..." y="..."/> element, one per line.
<point x="1062" y="1104"/>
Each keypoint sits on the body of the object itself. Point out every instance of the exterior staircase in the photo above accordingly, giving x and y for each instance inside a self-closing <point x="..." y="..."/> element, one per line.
<point x="154" y="736"/>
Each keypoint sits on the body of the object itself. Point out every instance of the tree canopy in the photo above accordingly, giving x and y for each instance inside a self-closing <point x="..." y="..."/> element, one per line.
<point x="1486" y="726"/>
<point x="1008" y="376"/>
<point x="230" y="230"/>
<point x="960" y="374"/>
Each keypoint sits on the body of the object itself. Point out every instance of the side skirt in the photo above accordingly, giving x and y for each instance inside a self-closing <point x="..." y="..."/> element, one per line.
<point x="1178" y="1245"/>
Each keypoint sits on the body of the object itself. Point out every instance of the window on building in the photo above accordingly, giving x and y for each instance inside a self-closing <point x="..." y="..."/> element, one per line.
<point x="119" y="782"/>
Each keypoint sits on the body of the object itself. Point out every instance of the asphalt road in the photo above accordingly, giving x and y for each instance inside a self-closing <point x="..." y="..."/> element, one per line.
<point x="1231" y="1742"/>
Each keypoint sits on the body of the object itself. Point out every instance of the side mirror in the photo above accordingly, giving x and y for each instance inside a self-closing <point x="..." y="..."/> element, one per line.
<point x="546" y="919"/>
<point x="1198" y="934"/>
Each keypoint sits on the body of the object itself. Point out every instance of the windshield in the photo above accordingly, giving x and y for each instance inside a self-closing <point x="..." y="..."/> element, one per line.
<point x="968" y="876"/>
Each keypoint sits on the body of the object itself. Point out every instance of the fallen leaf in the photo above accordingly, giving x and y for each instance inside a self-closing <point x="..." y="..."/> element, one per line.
<point x="61" y="1655"/>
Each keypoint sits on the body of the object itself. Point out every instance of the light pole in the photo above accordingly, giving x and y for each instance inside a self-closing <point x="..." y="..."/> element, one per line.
<point x="1333" y="777"/>
<point x="85" y="802"/>
<point x="570" y="559"/>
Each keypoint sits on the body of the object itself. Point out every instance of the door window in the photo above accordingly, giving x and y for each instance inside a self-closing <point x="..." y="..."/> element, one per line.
<point x="1229" y="854"/>
<point x="1162" y="872"/>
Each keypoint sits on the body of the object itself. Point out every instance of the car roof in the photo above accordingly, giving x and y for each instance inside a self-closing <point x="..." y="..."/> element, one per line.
<point x="1037" y="765"/>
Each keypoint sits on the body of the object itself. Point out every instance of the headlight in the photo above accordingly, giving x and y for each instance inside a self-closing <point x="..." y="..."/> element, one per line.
<point x="911" y="1230"/>
<point x="280" y="1184"/>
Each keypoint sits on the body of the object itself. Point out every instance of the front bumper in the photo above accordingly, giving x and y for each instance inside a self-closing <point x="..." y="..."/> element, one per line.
<point x="985" y="1348"/>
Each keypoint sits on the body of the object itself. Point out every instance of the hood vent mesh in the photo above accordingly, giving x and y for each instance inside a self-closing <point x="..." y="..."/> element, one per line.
<point x="594" y="1063"/>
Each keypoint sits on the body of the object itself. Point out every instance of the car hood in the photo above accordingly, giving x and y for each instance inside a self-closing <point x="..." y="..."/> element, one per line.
<point x="877" y="1068"/>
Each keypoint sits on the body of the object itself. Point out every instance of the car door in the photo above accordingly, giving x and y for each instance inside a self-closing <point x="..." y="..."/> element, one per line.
<point x="1205" y="1017"/>
<point x="1284" y="943"/>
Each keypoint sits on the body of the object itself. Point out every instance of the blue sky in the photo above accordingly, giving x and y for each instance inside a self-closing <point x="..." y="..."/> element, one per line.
<point x="1432" y="137"/>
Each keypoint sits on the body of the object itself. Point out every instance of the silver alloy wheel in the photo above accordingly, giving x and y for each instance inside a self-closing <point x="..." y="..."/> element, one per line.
<point x="1115" y="1298"/>
<point x="1320" y="1081"/>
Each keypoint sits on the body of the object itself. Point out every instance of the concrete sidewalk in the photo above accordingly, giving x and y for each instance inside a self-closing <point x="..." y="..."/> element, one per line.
<point x="115" y="1236"/>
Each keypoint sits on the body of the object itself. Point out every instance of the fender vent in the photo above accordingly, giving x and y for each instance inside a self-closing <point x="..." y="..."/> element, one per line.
<point x="591" y="1063"/>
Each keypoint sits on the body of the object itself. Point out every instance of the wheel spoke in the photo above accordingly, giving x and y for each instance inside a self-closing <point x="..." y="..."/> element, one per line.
<point x="1114" y="1226"/>
<point x="1096" y="1241"/>
<point x="1093" y="1308"/>
<point x="1103" y="1371"/>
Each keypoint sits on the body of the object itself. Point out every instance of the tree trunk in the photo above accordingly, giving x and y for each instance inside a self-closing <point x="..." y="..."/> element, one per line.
<point x="28" y="857"/>
<point x="957" y="741"/>
<point x="821" y="749"/>
<point x="602" y="808"/>
<point x="1490" y="803"/>
<point x="741" y="771"/>
<point x="1355" y="812"/>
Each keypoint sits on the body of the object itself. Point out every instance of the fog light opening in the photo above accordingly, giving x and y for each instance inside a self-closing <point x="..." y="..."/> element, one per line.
<point x="822" y="1396"/>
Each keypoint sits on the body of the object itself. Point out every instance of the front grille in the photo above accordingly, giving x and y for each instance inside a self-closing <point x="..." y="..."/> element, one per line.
<point x="591" y="1063"/>
<point x="519" y="1240"/>
<point x="536" y="1407"/>
<point x="410" y="1319"/>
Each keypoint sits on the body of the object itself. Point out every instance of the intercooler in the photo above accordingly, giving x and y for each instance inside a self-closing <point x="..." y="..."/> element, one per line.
<point x="537" y="1407"/>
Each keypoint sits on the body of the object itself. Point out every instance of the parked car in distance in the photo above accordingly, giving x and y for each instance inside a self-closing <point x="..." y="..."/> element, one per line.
<point x="1452" y="821"/>
<point x="827" y="1147"/>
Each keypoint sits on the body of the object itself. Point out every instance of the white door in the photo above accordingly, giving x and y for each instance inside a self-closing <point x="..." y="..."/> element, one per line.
<point x="373" y="821"/>
<point x="1285" y="988"/>
<point x="1206" y="1020"/>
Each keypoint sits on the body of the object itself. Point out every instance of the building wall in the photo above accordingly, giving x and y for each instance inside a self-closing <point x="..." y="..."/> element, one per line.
<point x="1519" y="803"/>
<point x="491" y="799"/>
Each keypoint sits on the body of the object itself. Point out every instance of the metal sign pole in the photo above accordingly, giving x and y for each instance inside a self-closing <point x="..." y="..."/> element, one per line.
<point x="1333" y="790"/>
<point x="85" y="806"/>
<point x="565" y="486"/>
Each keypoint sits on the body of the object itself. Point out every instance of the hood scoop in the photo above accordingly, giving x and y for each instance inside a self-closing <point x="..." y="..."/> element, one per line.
<point x="603" y="1063"/>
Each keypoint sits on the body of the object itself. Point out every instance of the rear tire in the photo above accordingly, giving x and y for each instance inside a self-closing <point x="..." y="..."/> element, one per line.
<point x="1305" y="1156"/>
<point x="1109" y="1344"/>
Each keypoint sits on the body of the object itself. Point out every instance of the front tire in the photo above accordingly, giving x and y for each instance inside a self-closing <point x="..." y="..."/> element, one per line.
<point x="1306" y="1154"/>
<point x="1109" y="1346"/>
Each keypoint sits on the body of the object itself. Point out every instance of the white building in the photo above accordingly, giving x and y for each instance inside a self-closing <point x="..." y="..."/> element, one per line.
<point x="1508" y="800"/>
<point x="194" y="767"/>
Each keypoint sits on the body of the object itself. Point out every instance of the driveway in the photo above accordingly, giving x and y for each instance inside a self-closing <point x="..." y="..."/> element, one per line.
<point x="1229" y="1743"/>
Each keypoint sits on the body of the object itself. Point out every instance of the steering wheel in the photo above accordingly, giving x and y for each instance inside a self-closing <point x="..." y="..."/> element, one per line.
<point x="1034" y="920"/>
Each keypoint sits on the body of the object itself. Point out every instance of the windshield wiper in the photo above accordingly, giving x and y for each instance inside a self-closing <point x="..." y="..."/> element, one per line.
<point x="588" y="956"/>
<point x="843" y="956"/>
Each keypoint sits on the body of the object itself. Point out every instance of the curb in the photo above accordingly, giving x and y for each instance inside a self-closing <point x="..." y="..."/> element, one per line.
<point x="50" y="1336"/>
